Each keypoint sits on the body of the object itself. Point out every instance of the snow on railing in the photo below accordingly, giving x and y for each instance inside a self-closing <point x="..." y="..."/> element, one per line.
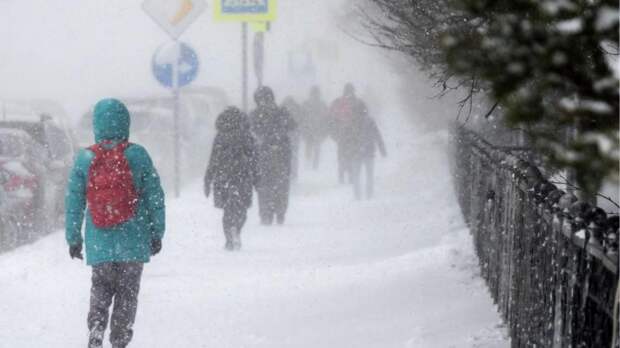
<point x="550" y="261"/>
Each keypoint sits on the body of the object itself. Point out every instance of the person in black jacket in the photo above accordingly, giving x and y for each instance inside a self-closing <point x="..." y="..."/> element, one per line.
<point x="233" y="172"/>
<point x="367" y="138"/>
<point x="271" y="126"/>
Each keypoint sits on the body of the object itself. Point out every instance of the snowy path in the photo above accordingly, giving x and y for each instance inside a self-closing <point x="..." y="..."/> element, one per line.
<point x="397" y="271"/>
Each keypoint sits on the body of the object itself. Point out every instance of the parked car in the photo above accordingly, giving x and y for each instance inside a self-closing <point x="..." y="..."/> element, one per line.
<point x="49" y="156"/>
<point x="19" y="186"/>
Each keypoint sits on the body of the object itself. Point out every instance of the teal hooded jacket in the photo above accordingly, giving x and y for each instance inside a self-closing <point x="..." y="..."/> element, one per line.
<point x="131" y="240"/>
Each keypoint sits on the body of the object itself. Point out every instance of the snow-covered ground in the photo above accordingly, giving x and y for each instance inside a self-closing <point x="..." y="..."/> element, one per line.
<point x="397" y="271"/>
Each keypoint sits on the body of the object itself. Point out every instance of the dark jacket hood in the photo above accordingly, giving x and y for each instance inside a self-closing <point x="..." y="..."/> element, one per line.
<point x="231" y="120"/>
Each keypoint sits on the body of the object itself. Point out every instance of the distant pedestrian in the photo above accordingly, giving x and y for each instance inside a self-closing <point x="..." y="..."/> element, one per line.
<point x="271" y="126"/>
<point x="316" y="125"/>
<point x="233" y="173"/>
<point x="367" y="140"/>
<point x="343" y="112"/>
<point x="115" y="188"/>
<point x="296" y="113"/>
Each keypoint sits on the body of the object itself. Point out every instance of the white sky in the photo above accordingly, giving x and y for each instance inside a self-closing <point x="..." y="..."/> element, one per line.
<point x="77" y="51"/>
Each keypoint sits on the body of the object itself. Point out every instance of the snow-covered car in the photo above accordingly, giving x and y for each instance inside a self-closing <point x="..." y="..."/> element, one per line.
<point x="19" y="186"/>
<point x="49" y="156"/>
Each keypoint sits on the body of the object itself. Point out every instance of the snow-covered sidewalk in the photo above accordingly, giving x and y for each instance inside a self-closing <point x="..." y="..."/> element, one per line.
<point x="397" y="271"/>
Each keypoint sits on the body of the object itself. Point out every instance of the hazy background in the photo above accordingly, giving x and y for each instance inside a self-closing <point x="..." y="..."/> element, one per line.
<point x="77" y="52"/>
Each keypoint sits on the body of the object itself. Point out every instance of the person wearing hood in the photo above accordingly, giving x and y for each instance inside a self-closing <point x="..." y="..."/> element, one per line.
<point x="344" y="113"/>
<point x="232" y="172"/>
<point x="271" y="126"/>
<point x="115" y="189"/>
<point x="367" y="141"/>
<point x="316" y="125"/>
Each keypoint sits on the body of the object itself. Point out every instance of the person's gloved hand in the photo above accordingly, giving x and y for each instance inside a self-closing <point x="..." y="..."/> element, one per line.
<point x="75" y="251"/>
<point x="155" y="246"/>
<point x="207" y="189"/>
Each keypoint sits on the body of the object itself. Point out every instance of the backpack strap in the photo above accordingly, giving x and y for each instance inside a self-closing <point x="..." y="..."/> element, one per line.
<point x="123" y="146"/>
<point x="98" y="149"/>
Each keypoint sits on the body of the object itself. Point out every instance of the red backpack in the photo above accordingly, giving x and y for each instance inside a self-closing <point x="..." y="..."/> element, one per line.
<point x="110" y="193"/>
<point x="343" y="110"/>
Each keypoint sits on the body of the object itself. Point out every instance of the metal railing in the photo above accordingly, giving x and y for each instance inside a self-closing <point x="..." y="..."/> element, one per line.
<point x="549" y="260"/>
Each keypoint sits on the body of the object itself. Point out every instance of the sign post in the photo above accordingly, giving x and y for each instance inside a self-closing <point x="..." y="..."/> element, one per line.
<point x="244" y="65"/>
<point x="175" y="112"/>
<point x="176" y="65"/>
<point x="257" y="13"/>
<point x="259" y="56"/>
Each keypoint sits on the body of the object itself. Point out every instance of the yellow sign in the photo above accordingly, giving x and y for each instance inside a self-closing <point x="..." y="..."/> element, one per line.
<point x="185" y="9"/>
<point x="174" y="16"/>
<point x="245" y="10"/>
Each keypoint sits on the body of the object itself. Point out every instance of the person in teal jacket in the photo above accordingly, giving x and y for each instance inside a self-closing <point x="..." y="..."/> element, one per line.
<point x="116" y="254"/>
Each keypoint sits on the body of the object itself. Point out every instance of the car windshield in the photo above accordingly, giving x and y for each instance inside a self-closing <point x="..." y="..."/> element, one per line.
<point x="11" y="146"/>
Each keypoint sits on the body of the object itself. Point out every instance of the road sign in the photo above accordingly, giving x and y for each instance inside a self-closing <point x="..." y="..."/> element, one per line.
<point x="245" y="10"/>
<point x="175" y="56"/>
<point x="175" y="65"/>
<point x="174" y="16"/>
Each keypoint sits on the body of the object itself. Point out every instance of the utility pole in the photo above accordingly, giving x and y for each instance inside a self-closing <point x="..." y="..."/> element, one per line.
<point x="244" y="65"/>
<point x="177" y="133"/>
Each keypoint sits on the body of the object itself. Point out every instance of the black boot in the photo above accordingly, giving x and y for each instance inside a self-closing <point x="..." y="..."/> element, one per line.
<point x="95" y="339"/>
<point x="266" y="219"/>
<point x="280" y="219"/>
<point x="236" y="238"/>
<point x="229" y="241"/>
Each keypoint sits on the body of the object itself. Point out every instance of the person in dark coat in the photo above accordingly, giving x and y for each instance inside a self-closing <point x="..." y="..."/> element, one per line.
<point x="233" y="172"/>
<point x="365" y="144"/>
<point x="316" y="125"/>
<point x="343" y="114"/>
<point x="271" y="126"/>
<point x="296" y="113"/>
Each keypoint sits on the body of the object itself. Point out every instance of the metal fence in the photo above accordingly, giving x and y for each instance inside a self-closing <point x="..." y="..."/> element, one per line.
<point x="549" y="260"/>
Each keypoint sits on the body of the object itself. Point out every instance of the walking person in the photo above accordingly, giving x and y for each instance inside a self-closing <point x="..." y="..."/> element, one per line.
<point x="367" y="140"/>
<point x="233" y="173"/>
<point x="343" y="113"/>
<point x="316" y="117"/>
<point x="296" y="113"/>
<point x="115" y="188"/>
<point x="271" y="126"/>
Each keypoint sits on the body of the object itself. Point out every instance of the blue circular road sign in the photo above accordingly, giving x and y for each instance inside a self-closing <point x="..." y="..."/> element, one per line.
<point x="165" y="58"/>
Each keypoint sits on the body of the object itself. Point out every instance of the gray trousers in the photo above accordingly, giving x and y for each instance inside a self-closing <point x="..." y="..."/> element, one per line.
<point x="118" y="281"/>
